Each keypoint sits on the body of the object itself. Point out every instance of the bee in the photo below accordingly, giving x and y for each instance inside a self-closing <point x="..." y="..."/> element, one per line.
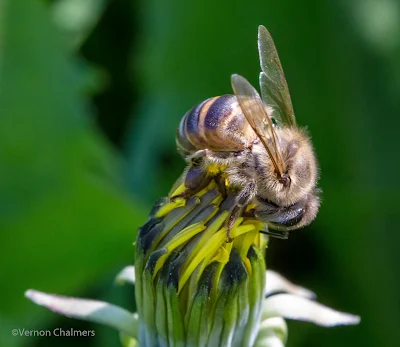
<point x="256" y="143"/>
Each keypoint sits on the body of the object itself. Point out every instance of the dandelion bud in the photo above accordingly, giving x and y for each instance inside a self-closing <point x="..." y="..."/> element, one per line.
<point x="193" y="287"/>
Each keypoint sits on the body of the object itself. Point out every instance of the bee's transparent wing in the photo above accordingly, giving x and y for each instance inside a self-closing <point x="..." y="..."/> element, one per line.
<point x="274" y="89"/>
<point x="256" y="114"/>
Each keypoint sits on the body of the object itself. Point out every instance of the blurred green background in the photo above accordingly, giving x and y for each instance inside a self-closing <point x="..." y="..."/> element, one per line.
<point x="91" y="93"/>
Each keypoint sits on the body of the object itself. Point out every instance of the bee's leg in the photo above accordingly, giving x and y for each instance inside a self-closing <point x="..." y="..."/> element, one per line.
<point x="249" y="214"/>
<point x="216" y="157"/>
<point x="220" y="181"/>
<point x="196" y="179"/>
<point x="231" y="221"/>
<point x="280" y="234"/>
<point x="198" y="176"/>
<point x="244" y="197"/>
<point x="197" y="157"/>
<point x="282" y="217"/>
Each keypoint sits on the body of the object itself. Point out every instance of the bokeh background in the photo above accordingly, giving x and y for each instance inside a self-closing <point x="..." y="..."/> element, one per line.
<point x="91" y="93"/>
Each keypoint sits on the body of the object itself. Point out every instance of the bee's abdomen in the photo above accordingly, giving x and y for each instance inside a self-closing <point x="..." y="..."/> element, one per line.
<point x="217" y="124"/>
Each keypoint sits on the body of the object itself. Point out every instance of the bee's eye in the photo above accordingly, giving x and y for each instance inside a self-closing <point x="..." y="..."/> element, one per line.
<point x="285" y="180"/>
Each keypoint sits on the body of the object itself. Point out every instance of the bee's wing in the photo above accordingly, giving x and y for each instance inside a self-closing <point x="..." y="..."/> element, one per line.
<point x="274" y="89"/>
<point x="256" y="114"/>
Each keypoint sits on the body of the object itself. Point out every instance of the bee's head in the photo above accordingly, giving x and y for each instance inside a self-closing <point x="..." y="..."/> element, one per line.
<point x="298" y="172"/>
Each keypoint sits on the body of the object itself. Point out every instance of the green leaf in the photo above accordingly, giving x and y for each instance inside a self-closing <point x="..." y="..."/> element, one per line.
<point x="64" y="217"/>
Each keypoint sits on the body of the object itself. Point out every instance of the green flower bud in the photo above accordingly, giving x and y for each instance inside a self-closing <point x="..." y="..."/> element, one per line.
<point x="193" y="288"/>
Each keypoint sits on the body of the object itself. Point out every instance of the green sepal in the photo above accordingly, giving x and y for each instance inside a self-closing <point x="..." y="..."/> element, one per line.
<point x="176" y="326"/>
<point x="255" y="294"/>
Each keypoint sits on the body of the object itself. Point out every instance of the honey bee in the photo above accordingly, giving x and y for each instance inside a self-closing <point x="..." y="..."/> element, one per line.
<point x="258" y="146"/>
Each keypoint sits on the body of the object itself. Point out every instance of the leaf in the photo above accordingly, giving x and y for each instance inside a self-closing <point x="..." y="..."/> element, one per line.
<point x="64" y="215"/>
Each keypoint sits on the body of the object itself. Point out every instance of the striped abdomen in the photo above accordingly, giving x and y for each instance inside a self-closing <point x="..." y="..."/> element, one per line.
<point x="217" y="124"/>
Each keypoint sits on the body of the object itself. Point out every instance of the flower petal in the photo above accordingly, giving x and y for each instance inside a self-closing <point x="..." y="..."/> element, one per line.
<point x="273" y="333"/>
<point x="269" y="341"/>
<point x="127" y="275"/>
<point x="90" y="310"/>
<point x="278" y="283"/>
<point x="295" y="307"/>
